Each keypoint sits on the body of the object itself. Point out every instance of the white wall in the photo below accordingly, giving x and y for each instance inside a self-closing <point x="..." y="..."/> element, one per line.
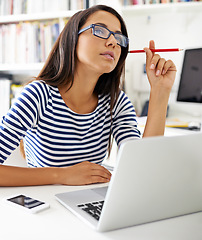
<point x="169" y="27"/>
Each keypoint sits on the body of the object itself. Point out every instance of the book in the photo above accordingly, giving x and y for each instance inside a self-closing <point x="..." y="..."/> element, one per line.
<point x="28" y="42"/>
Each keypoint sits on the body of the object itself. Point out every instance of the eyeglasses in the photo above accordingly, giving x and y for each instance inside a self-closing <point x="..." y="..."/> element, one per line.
<point x="105" y="33"/>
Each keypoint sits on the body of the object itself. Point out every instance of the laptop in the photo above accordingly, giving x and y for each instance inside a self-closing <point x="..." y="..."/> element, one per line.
<point x="155" y="178"/>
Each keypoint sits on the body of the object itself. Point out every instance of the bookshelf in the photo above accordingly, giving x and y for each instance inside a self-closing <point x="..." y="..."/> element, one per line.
<point x="61" y="15"/>
<point x="18" y="31"/>
<point x="26" y="16"/>
<point x="36" y="16"/>
<point x="11" y="24"/>
<point x="33" y="17"/>
<point x="12" y="61"/>
<point x="21" y="21"/>
<point x="159" y="7"/>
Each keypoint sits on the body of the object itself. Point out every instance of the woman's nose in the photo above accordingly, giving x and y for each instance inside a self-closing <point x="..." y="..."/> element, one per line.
<point x="111" y="41"/>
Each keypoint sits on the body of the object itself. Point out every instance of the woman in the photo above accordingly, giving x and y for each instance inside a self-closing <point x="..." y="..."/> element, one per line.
<point x="67" y="116"/>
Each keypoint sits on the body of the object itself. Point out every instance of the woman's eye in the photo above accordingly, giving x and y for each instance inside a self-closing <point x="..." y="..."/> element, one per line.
<point x="99" y="31"/>
<point x="118" y="38"/>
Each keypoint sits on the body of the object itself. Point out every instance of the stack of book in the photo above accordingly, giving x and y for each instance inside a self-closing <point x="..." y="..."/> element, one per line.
<point x="27" y="42"/>
<point x="10" y="7"/>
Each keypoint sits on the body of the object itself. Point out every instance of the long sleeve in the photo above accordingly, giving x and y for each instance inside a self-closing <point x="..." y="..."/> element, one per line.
<point x="20" y="118"/>
<point x="124" y="120"/>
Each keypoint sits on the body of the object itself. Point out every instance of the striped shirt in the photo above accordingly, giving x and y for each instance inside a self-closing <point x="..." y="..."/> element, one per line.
<point x="56" y="136"/>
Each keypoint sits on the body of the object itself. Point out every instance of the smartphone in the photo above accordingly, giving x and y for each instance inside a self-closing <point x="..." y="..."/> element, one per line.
<point x="27" y="203"/>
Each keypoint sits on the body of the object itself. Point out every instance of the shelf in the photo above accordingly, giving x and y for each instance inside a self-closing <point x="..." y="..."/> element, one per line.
<point x="151" y="8"/>
<point x="21" y="67"/>
<point x="36" y="16"/>
<point x="125" y="11"/>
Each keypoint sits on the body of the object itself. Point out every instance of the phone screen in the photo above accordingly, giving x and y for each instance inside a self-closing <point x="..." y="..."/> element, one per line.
<point x="26" y="201"/>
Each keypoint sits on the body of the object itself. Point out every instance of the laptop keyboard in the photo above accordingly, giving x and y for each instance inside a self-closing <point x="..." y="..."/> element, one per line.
<point x="93" y="208"/>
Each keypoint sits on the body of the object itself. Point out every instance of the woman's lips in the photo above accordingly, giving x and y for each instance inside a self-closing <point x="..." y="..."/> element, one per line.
<point x="108" y="55"/>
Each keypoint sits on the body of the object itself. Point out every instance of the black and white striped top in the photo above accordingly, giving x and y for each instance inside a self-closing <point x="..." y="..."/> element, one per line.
<point x="54" y="135"/>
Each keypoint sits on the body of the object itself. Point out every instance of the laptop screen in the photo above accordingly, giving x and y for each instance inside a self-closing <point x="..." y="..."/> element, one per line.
<point x="190" y="87"/>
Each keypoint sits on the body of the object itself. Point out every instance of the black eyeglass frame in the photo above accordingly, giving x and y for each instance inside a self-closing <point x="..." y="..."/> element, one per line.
<point x="110" y="32"/>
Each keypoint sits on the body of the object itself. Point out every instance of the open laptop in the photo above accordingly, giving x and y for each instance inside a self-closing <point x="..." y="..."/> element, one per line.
<point x="155" y="178"/>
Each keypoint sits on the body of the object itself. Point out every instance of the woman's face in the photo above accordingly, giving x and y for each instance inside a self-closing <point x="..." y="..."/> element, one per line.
<point x="96" y="54"/>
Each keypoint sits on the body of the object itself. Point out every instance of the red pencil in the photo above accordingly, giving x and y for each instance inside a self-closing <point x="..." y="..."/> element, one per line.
<point x="157" y="50"/>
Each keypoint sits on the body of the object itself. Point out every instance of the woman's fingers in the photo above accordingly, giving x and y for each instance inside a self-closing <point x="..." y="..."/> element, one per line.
<point x="151" y="44"/>
<point x="160" y="65"/>
<point x="87" y="173"/>
<point x="168" y="66"/>
<point x="157" y="63"/>
<point x="149" y="55"/>
<point x="100" y="171"/>
<point x="98" y="174"/>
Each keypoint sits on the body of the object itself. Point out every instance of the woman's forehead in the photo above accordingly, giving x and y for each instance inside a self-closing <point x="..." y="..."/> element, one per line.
<point x="106" y="18"/>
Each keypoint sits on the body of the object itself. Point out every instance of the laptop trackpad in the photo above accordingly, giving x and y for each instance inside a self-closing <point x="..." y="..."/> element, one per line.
<point x="101" y="191"/>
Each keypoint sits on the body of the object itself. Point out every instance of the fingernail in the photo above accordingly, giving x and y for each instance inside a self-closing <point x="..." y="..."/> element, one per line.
<point x="163" y="72"/>
<point x="152" y="66"/>
<point x="158" y="72"/>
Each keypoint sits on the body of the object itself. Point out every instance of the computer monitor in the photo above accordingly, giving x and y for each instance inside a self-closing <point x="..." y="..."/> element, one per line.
<point x="190" y="86"/>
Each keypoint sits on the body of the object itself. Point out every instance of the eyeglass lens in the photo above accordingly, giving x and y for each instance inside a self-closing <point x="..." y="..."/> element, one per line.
<point x="102" y="32"/>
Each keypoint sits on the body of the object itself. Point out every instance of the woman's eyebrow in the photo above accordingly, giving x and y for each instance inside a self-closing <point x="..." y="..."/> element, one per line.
<point x="104" y="25"/>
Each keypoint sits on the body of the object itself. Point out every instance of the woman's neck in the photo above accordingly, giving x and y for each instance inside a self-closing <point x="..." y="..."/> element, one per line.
<point x="81" y="97"/>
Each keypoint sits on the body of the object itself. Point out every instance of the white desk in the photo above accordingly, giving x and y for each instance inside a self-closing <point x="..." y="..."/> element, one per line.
<point x="58" y="223"/>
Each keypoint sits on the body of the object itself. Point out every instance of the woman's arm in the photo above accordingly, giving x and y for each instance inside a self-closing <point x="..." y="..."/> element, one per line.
<point x="161" y="75"/>
<point x="79" y="174"/>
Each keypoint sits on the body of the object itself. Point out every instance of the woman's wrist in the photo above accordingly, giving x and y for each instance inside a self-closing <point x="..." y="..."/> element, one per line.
<point x="58" y="174"/>
<point x="156" y="112"/>
<point x="160" y="93"/>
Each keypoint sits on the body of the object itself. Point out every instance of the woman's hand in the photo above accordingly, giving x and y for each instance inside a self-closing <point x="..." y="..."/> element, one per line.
<point x="79" y="174"/>
<point x="161" y="73"/>
<point x="85" y="173"/>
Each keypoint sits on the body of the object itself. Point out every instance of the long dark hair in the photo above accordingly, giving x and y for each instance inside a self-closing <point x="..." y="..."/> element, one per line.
<point x="59" y="67"/>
